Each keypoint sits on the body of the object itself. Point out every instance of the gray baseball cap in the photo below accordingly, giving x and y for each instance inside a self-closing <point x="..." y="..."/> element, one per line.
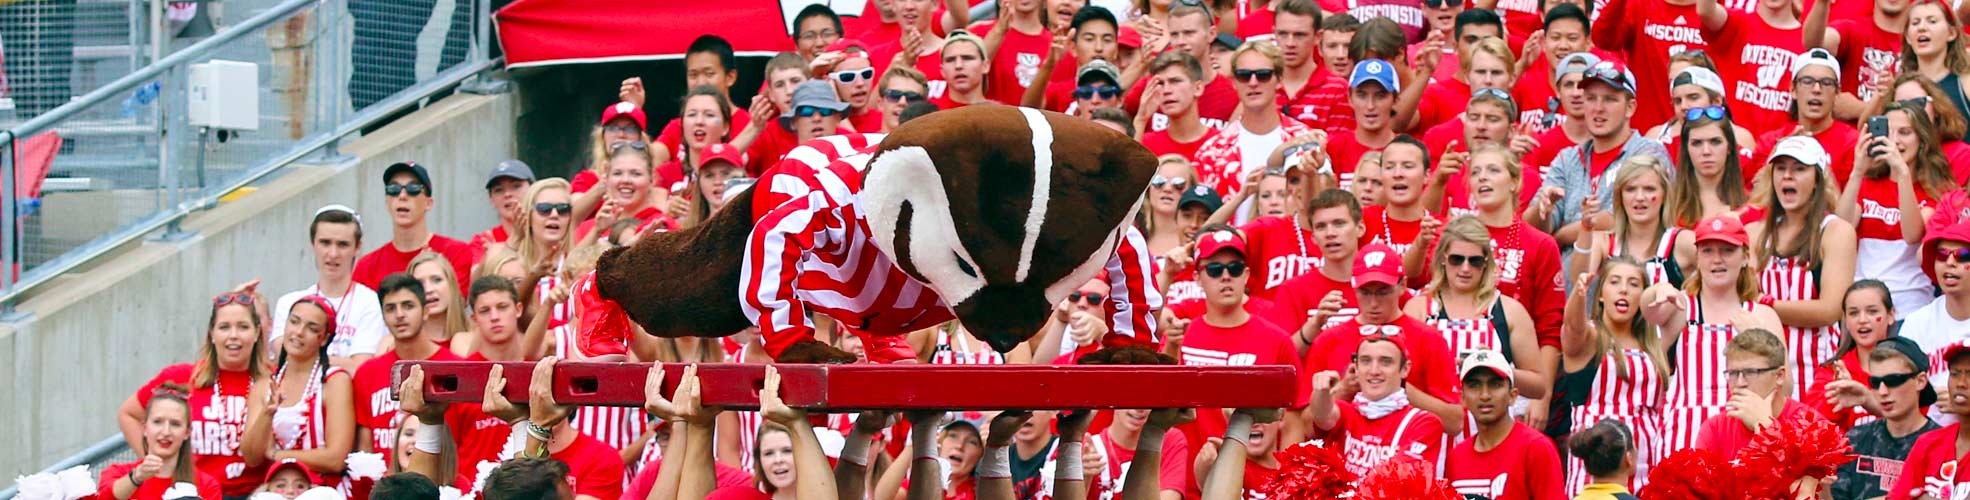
<point x="510" y="169"/>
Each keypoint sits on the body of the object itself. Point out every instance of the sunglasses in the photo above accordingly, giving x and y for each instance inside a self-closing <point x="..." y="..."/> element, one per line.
<point x="232" y="298"/>
<point x="1105" y="91"/>
<point x="1711" y="112"/>
<point x="1492" y="93"/>
<point x="1892" y="380"/>
<point x="1455" y="260"/>
<point x="413" y="189"/>
<point x="901" y="95"/>
<point x="1093" y="298"/>
<point x="1160" y="181"/>
<point x="1438" y="4"/>
<point x="621" y="129"/>
<point x="550" y="208"/>
<point x="813" y="111"/>
<point x="854" y="75"/>
<point x="1219" y="269"/>
<point x="1960" y="255"/>
<point x="1606" y="73"/>
<point x="1252" y="75"/>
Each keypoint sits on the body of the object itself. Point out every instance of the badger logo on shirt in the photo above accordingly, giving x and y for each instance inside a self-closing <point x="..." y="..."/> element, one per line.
<point x="1029" y="67"/>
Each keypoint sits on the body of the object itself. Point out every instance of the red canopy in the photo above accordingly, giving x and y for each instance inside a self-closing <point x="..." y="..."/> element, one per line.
<point x="546" y="32"/>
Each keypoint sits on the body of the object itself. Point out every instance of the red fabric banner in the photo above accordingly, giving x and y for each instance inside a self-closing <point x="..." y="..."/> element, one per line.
<point x="548" y="32"/>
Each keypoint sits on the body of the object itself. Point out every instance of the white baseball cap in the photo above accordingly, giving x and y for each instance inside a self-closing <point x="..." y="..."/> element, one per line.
<point x="1816" y="57"/>
<point x="1804" y="149"/>
<point x="1701" y="77"/>
<point x="1487" y="359"/>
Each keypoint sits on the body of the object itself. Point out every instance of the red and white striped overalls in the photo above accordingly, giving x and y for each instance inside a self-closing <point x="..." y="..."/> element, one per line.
<point x="950" y="349"/>
<point x="1697" y="389"/>
<point x="615" y="426"/>
<point x="1635" y="400"/>
<point x="1661" y="266"/>
<point x="1792" y="278"/>
<point x="1465" y="334"/>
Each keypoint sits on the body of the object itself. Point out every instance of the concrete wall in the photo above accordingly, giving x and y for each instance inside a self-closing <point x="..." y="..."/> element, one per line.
<point x="85" y="343"/>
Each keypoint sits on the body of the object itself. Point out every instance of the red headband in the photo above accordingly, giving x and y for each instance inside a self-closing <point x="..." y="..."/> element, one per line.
<point x="329" y="311"/>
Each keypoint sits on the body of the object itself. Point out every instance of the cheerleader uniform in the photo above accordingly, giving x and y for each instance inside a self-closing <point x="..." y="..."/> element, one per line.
<point x="1697" y="389"/>
<point x="303" y="425"/>
<point x="1598" y="392"/>
<point x="1791" y="278"/>
<point x="950" y="350"/>
<point x="1661" y="265"/>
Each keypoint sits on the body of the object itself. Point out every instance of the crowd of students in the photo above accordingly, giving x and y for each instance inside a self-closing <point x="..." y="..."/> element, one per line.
<point x="1538" y="247"/>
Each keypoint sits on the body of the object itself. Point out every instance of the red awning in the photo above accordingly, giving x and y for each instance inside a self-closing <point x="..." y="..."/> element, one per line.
<point x="548" y="32"/>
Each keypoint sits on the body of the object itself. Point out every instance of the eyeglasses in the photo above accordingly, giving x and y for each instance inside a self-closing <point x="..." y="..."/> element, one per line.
<point x="1105" y="91"/>
<point x="1383" y="330"/>
<point x="550" y="208"/>
<point x="636" y="145"/>
<point x="232" y="298"/>
<point x="810" y="35"/>
<point x="1252" y="75"/>
<point x="1438" y="4"/>
<point x="1454" y="260"/>
<point x="1158" y="181"/>
<point x="1219" y="269"/>
<point x="622" y="129"/>
<point x="813" y="111"/>
<point x="853" y="75"/>
<point x="1093" y="298"/>
<point x="901" y="96"/>
<point x="413" y="189"/>
<point x="1960" y="255"/>
<point x="1892" y="380"/>
<point x="1748" y="372"/>
<point x="1711" y="112"/>
<point x="1809" y="82"/>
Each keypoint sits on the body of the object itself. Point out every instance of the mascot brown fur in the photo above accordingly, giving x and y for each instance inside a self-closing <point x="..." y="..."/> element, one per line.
<point x="974" y="173"/>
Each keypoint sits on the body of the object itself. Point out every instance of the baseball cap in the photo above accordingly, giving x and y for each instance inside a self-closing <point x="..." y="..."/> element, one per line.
<point x="1128" y="37"/>
<point x="1483" y="359"/>
<point x="515" y="169"/>
<point x="1612" y="73"/>
<point x="1218" y="241"/>
<point x="1575" y="63"/>
<point x="1377" y="263"/>
<point x="812" y="93"/>
<point x="1816" y="57"/>
<point x="724" y="151"/>
<point x="1227" y="40"/>
<point x="1802" y="148"/>
<point x="1701" y="77"/>
<point x="626" y="108"/>
<point x="423" y="176"/>
<point x="1099" y="68"/>
<point x="292" y="464"/>
<point x="1956" y="349"/>
<point x="1908" y="349"/>
<point x="1201" y="194"/>
<point x="845" y="44"/>
<point x="1377" y="71"/>
<point x="1724" y="228"/>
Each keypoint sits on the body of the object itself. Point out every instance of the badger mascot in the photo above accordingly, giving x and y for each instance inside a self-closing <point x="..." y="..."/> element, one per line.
<point x="986" y="214"/>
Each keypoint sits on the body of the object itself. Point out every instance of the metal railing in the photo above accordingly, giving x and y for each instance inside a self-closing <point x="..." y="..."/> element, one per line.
<point x="129" y="164"/>
<point x="112" y="450"/>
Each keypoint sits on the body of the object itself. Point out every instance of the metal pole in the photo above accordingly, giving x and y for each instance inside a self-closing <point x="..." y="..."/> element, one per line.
<point x="332" y="84"/>
<point x="9" y="217"/>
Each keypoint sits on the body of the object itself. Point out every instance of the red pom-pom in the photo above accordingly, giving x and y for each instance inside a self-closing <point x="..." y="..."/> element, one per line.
<point x="1690" y="474"/>
<point x="1788" y="450"/>
<point x="1405" y="479"/>
<point x="1311" y="472"/>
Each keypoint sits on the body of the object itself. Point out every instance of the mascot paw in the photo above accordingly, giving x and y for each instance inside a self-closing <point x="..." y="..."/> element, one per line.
<point x="1127" y="355"/>
<point x="813" y="351"/>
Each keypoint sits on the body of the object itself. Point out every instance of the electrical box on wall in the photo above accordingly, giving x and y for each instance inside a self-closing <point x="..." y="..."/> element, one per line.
<point x="225" y="95"/>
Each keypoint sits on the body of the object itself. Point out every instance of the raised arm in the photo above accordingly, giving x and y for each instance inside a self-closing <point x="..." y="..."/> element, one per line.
<point x="654" y="403"/>
<point x="1144" y="478"/>
<point x="812" y="479"/>
<point x="995" y="468"/>
<point x="1816" y="33"/>
<point x="698" y="434"/>
<point x="851" y="472"/>
<point x="427" y="455"/>
<point x="1036" y="94"/>
<point x="926" y="476"/>
<point x="1070" y="474"/>
<point x="1713" y="14"/>
<point x="1848" y="207"/>
<point x="1320" y="404"/>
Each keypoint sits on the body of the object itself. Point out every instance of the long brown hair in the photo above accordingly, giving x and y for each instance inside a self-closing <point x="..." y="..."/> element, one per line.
<point x="1806" y="245"/>
<point x="1953" y="55"/>
<point x="524" y="242"/>
<point x="1637" y="327"/>
<point x="684" y="157"/>
<point x="758" y="470"/>
<point x="181" y="466"/>
<point x="1685" y="205"/>
<point x="1950" y="124"/>
<point x="1931" y="168"/>
<point x="206" y="372"/>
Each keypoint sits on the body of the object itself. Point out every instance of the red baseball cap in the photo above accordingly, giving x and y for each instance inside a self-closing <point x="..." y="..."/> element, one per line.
<point x="1377" y="263"/>
<point x="1128" y="37"/>
<point x="1218" y="241"/>
<point x="1960" y="231"/>
<point x="1960" y="347"/>
<point x="1724" y="228"/>
<point x="292" y="464"/>
<point x="845" y="44"/>
<point x="626" y="108"/>
<point x="725" y="151"/>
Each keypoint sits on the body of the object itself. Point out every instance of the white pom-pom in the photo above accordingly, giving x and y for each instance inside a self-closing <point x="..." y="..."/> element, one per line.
<point x="485" y="471"/>
<point x="831" y="441"/>
<point x="449" y="493"/>
<point x="76" y="482"/>
<point x="266" y="495"/>
<point x="181" y="490"/>
<point x="944" y="467"/>
<point x="321" y="493"/>
<point x="42" y="486"/>
<point x="363" y="465"/>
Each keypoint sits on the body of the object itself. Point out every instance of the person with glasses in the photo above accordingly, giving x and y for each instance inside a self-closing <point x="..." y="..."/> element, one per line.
<point x="1486" y="63"/>
<point x="1889" y="198"/>
<point x="1159" y="221"/>
<point x="1930" y="472"/>
<point x="1370" y="411"/>
<point x="1190" y="31"/>
<point x="1697" y="86"/>
<point x="230" y="361"/>
<point x="1430" y="384"/>
<point x="1578" y="176"/>
<point x="402" y="297"/>
<point x="1868" y="41"/>
<point x="1463" y="303"/>
<point x="1917" y="91"/>
<point x="1227" y="330"/>
<point x="1816" y="84"/>
<point x="541" y="247"/>
<point x="705" y="117"/>
<point x="1179" y="83"/>
<point x="407" y="192"/>
<point x="1235" y="155"/>
<point x="625" y="122"/>
<point x="814" y="28"/>
<point x="1645" y="34"/>
<point x="1946" y="320"/>
<point x="786" y="74"/>
<point x="1528" y="261"/>
<point x="1502" y="458"/>
<point x="854" y="79"/>
<point x="919" y="37"/>
<point x="1901" y="392"/>
<point x="1699" y="320"/>
<point x="900" y="87"/>
<point x="1750" y="47"/>
<point x="1612" y="369"/>
<point x="1755" y="367"/>
<point x="335" y="235"/>
<point x="965" y="68"/>
<point x="1090" y="38"/>
<point x="1806" y="255"/>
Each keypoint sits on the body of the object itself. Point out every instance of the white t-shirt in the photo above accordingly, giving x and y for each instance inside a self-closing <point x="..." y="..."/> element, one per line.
<point x="1253" y="150"/>
<point x="1932" y="328"/>
<point x="358" y="320"/>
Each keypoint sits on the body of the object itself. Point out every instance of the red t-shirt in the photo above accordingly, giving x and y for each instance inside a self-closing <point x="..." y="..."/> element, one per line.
<point x="646" y="478"/>
<point x="1299" y="106"/>
<point x="1867" y="53"/>
<point x="1379" y="227"/>
<point x="1017" y="62"/>
<point x="1254" y="21"/>
<point x="1431" y="364"/>
<point x="154" y="488"/>
<point x="868" y="122"/>
<point x="1932" y="467"/>
<point x="495" y="235"/>
<point x="1345" y="150"/>
<point x="387" y="260"/>
<point x="1256" y="342"/>
<point x="1277" y="250"/>
<point x="478" y="436"/>
<point x="673" y="132"/>
<point x="1755" y="60"/>
<point x="1408" y="434"/>
<point x="376" y="408"/>
<point x="1326" y="104"/>
<point x="216" y="425"/>
<point x="1881" y="213"/>
<point x="1214" y="108"/>
<point x="1646" y="33"/>
<point x="670" y="175"/>
<point x="1443" y="100"/>
<point x="1838" y="141"/>
<point x="1529" y="271"/>
<point x="594" y="469"/>
<point x="1160" y="143"/>
<point x="1299" y="296"/>
<point x="1726" y="434"/>
<point x="1522" y="18"/>
<point x="1522" y="467"/>
<point x="1174" y="476"/>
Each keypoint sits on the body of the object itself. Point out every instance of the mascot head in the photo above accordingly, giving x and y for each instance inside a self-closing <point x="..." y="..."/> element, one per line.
<point x="1003" y="211"/>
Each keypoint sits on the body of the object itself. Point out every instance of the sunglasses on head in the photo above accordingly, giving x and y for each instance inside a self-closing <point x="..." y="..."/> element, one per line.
<point x="1159" y="181"/>
<point x="1711" y="112"/>
<point x="636" y="145"/>
<point x="1105" y="91"/>
<point x="1093" y="298"/>
<point x="413" y="189"/>
<point x="544" y="208"/>
<point x="621" y="129"/>
<point x="813" y="111"/>
<point x="1960" y="255"/>
<point x="1219" y="269"/>
<point x="853" y="75"/>
<point x="1893" y="380"/>
<point x="1455" y="260"/>
<point x="1247" y="75"/>
<point x="902" y="96"/>
<point x="232" y="298"/>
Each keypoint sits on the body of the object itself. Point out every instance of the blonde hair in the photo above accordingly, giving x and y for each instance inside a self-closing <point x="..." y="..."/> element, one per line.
<point x="1632" y="170"/>
<point x="598" y="150"/>
<point x="1747" y="279"/>
<point x="1604" y="341"/>
<point x="1262" y="48"/>
<point x="496" y="258"/>
<point x="1465" y="229"/>
<point x="1512" y="166"/>
<point x="1492" y="46"/>
<point x="455" y="314"/>
<point x="1144" y="218"/>
<point x="524" y="242"/>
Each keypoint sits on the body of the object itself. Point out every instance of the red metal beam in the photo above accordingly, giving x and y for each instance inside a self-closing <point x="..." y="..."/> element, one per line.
<point x="891" y="387"/>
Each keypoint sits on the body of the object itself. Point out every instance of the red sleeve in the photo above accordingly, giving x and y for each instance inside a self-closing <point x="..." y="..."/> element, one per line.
<point x="1547" y="295"/>
<point x="584" y="180"/>
<point x="671" y="137"/>
<point x="106" y="485"/>
<point x="1289" y="311"/>
<point x="1175" y="475"/>
<point x="1914" y="470"/>
<point x="1133" y="102"/>
<point x="1429" y="432"/>
<point x="1544" y="470"/>
<point x="604" y="479"/>
<point x="208" y="487"/>
<point x="1609" y="32"/>
<point x="366" y="272"/>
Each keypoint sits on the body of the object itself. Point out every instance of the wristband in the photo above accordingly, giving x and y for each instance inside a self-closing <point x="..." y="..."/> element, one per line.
<point x="856" y="451"/>
<point x="1578" y="248"/>
<point x="428" y="439"/>
<point x="996" y="464"/>
<point x="1238" y="428"/>
<point x="1066" y="469"/>
<point x="923" y="450"/>
<point x="538" y="432"/>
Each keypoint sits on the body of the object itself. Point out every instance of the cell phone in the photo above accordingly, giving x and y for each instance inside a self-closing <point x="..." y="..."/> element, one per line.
<point x="1877" y="126"/>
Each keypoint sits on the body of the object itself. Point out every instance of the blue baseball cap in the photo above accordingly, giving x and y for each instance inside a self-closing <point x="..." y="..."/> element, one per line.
<point x="1377" y="71"/>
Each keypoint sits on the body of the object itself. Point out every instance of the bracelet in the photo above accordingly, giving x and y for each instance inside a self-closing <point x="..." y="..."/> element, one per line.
<point x="997" y="463"/>
<point x="1068" y="469"/>
<point x="537" y="432"/>
<point x="1578" y="248"/>
<point x="133" y="481"/>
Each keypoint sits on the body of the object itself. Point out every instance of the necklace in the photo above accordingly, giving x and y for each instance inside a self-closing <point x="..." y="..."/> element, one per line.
<point x="1300" y="238"/>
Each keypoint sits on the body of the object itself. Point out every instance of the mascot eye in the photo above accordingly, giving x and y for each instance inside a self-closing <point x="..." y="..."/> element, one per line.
<point x="964" y="266"/>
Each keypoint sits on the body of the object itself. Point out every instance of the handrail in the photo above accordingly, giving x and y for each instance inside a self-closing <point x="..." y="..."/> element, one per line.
<point x="375" y="112"/>
<point x="102" y="449"/>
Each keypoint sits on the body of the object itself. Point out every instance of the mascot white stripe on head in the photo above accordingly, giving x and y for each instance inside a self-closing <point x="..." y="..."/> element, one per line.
<point x="908" y="177"/>
<point x="1042" y="186"/>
